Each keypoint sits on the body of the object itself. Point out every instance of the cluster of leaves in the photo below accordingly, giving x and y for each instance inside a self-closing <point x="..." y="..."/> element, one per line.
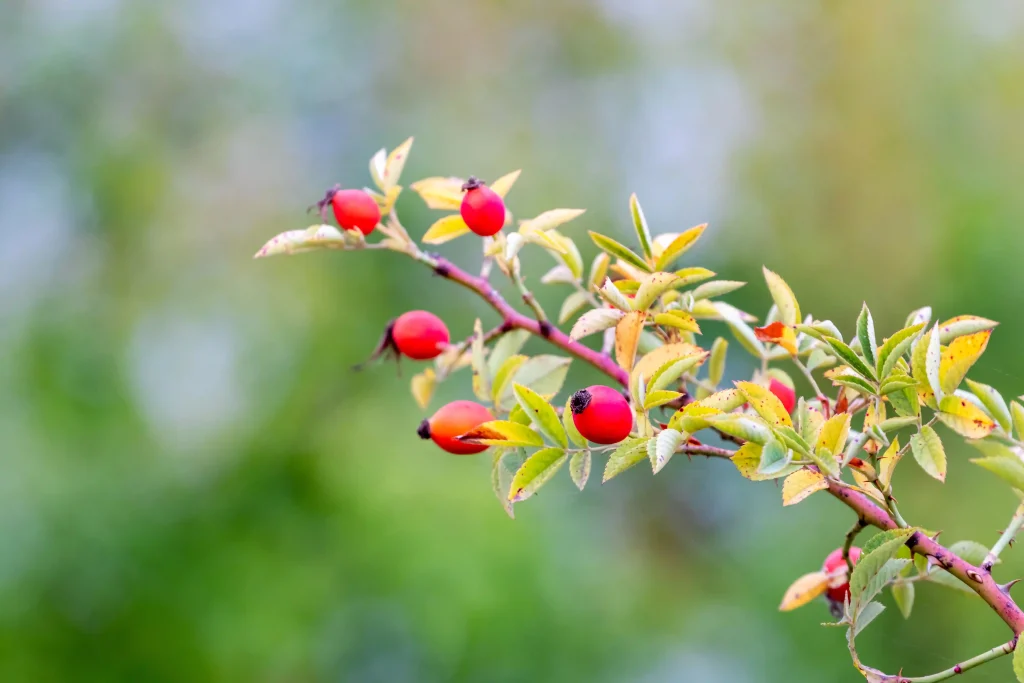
<point x="651" y="314"/>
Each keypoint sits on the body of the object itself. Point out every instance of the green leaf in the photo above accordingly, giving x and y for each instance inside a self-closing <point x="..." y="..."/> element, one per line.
<point x="611" y="293"/>
<point x="541" y="414"/>
<point x="903" y="595"/>
<point x="500" y="481"/>
<point x="894" y="347"/>
<point x="970" y="551"/>
<point x="659" y="398"/>
<point x="1009" y="469"/>
<point x="963" y="325"/>
<point x="544" y="374"/>
<point x="652" y="287"/>
<point x="572" y="305"/>
<point x="866" y="334"/>
<point x="579" y="468"/>
<point x="716" y="365"/>
<point x="508" y="345"/>
<point x="715" y="288"/>
<point x="885" y="537"/>
<point x="774" y="458"/>
<point x="643" y="233"/>
<point x="595" y="320"/>
<point x="691" y="276"/>
<point x="535" y="472"/>
<point x="481" y="373"/>
<point x="866" y="573"/>
<point x="740" y="329"/>
<point x="552" y="219"/>
<point x="932" y="361"/>
<point x="868" y="613"/>
<point x="502" y="433"/>
<point x="678" y="246"/>
<point x="672" y="370"/>
<point x="560" y="274"/>
<point x="789" y="309"/>
<point x="819" y="358"/>
<point x="1018" y="664"/>
<point x="503" y="377"/>
<point x="793" y="440"/>
<point x="665" y="447"/>
<point x="747" y="428"/>
<point x="619" y="251"/>
<point x="848" y="356"/>
<point x="631" y="452"/>
<point x="855" y="382"/>
<point x="1018" y="418"/>
<point x="927" y="449"/>
<point x="896" y="382"/>
<point x="570" y="425"/>
<point x="896" y="423"/>
<point x="994" y="403"/>
<point x="598" y="270"/>
<point x="819" y="329"/>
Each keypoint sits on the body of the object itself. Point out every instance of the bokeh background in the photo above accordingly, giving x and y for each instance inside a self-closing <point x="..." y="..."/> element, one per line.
<point x="195" y="487"/>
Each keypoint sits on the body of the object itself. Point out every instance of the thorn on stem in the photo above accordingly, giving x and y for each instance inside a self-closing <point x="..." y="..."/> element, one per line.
<point x="546" y="329"/>
<point x="974" y="576"/>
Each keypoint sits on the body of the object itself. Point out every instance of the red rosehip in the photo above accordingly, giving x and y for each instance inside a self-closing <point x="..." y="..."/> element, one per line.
<point x="601" y="414"/>
<point x="482" y="208"/>
<point x="353" y="209"/>
<point x="419" y="335"/>
<point x="454" y="420"/>
<point x="784" y="393"/>
<point x="835" y="567"/>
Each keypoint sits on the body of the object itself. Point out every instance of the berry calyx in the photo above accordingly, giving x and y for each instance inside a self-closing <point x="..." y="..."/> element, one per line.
<point x="454" y="420"/>
<point x="482" y="208"/>
<point x="838" y="572"/>
<point x="353" y="209"/>
<point x="784" y="393"/>
<point x="419" y="335"/>
<point x="601" y="414"/>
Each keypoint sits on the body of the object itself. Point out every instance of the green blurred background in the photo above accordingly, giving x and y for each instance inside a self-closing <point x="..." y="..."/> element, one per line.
<point x="195" y="487"/>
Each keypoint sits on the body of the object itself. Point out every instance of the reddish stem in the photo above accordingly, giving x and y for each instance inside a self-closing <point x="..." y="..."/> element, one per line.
<point x="516" y="320"/>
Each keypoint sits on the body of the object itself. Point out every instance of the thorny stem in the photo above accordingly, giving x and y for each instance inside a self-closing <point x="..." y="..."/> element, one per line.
<point x="868" y="512"/>
<point x="851" y="536"/>
<point x="513" y="319"/>
<point x="1005" y="540"/>
<point x="985" y="657"/>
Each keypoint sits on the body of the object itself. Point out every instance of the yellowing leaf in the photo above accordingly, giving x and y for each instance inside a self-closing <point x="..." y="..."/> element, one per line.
<point x="579" y="468"/>
<point x="552" y="219"/>
<point x="958" y="358"/>
<point x="502" y="433"/>
<point x="724" y="400"/>
<point x="503" y="184"/>
<point x="611" y="292"/>
<point x="672" y="370"/>
<point x="665" y="447"/>
<point x="680" y="320"/>
<point x="572" y="304"/>
<point x="541" y="414"/>
<point x="440" y="193"/>
<point x="962" y="325"/>
<point x="619" y="251"/>
<point x="678" y="247"/>
<point x="691" y="276"/>
<point x="800" y="485"/>
<point x="627" y="337"/>
<point x="652" y="287"/>
<point x="806" y="588"/>
<point x="965" y="418"/>
<point x="503" y="376"/>
<point x="422" y="386"/>
<point x="395" y="164"/>
<point x="929" y="453"/>
<point x="887" y="463"/>
<point x="742" y="426"/>
<point x="299" y="241"/>
<point x="778" y="333"/>
<point x="766" y="404"/>
<point x="660" y="397"/>
<point x="594" y="321"/>
<point x="625" y="456"/>
<point x="535" y="472"/>
<point x="834" y="433"/>
<point x="446" y="229"/>
<point x="789" y="309"/>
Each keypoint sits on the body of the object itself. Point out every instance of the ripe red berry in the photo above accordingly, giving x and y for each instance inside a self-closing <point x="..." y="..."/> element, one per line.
<point x="482" y="208"/>
<point x="784" y="393"/>
<point x="419" y="335"/>
<point x="601" y="414"/>
<point x="353" y="209"/>
<point x="454" y="420"/>
<point x="835" y="567"/>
